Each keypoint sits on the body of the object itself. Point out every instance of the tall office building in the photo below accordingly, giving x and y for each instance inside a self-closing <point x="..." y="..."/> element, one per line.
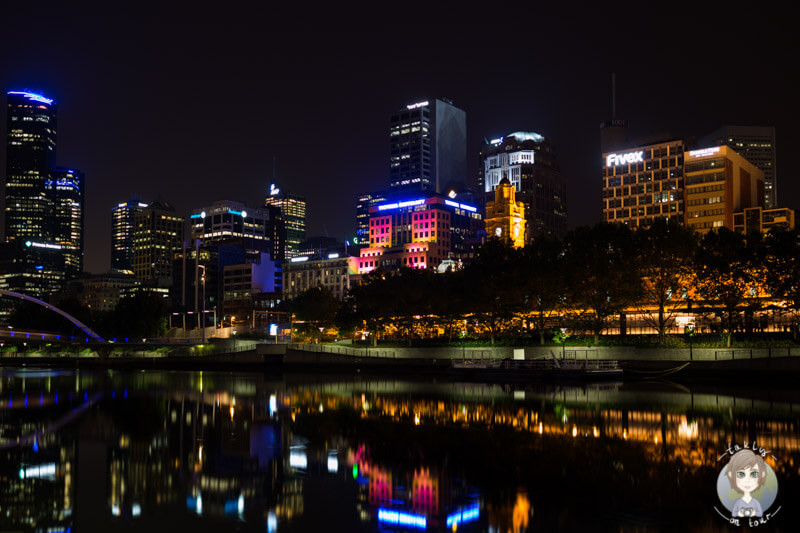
<point x="30" y="160"/>
<point x="528" y="162"/>
<point x="719" y="183"/>
<point x="122" y="220"/>
<point x="255" y="229"/>
<point x="157" y="237"/>
<point x="644" y="182"/>
<point x="757" y="145"/>
<point x="43" y="203"/>
<point x="66" y="189"/>
<point x="293" y="211"/>
<point x="428" y="147"/>
<point x="363" y="204"/>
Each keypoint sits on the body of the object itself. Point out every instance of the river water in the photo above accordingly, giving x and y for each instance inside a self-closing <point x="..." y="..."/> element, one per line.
<point x="206" y="451"/>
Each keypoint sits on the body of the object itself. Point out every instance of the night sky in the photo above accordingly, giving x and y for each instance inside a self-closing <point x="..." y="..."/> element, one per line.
<point x="191" y="105"/>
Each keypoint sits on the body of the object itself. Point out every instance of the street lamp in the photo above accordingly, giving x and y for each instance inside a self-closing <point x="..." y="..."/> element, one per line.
<point x="203" y="315"/>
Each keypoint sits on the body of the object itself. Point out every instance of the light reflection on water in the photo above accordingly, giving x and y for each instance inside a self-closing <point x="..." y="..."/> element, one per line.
<point x="153" y="450"/>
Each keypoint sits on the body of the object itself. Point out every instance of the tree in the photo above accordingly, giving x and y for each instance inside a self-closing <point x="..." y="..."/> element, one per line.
<point x="492" y="285"/>
<point x="665" y="257"/>
<point x="782" y="267"/>
<point x="32" y="317"/>
<point x="727" y="273"/>
<point x="372" y="303"/>
<point x="317" y="307"/>
<point x="601" y="273"/>
<point x="140" y="316"/>
<point x="542" y="281"/>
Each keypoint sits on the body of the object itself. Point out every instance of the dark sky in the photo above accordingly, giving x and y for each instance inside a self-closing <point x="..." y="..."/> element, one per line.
<point x="193" y="104"/>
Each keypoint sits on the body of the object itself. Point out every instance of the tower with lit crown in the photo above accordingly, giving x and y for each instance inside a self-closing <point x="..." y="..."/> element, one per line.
<point x="44" y="204"/>
<point x="505" y="217"/>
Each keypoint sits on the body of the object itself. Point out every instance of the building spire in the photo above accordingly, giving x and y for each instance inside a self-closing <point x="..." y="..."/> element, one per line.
<point x="613" y="96"/>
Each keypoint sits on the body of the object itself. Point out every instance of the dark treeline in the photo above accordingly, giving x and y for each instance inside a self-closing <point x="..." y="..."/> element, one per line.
<point x="140" y="316"/>
<point x="592" y="277"/>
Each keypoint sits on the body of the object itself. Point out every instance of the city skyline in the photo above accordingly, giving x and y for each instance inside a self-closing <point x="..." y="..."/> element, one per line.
<point x="195" y="116"/>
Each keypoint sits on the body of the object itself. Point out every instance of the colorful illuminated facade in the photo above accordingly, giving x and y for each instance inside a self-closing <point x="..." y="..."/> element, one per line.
<point x="292" y="209"/>
<point x="505" y="216"/>
<point x="419" y="232"/>
<point x="428" y="146"/>
<point x="719" y="182"/>
<point x="527" y="160"/>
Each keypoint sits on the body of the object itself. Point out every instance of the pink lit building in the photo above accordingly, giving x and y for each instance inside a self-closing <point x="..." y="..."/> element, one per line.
<point x="420" y="232"/>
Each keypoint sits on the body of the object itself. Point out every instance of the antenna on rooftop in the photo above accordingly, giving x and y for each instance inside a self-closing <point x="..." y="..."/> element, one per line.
<point x="613" y="96"/>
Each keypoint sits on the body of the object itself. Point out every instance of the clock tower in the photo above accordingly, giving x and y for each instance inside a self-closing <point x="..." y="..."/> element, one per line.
<point x="505" y="217"/>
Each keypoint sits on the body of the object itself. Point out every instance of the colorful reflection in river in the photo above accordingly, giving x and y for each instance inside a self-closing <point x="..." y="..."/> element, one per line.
<point x="96" y="451"/>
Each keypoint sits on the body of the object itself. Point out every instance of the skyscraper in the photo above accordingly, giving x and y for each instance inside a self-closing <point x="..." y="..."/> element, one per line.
<point x="644" y="182"/>
<point x="757" y="145"/>
<point x="428" y="147"/>
<point x="66" y="189"/>
<point x="122" y="220"/>
<point x="30" y="160"/>
<point x="719" y="182"/>
<point x="529" y="163"/>
<point x="293" y="211"/>
<point x="255" y="229"/>
<point x="363" y="204"/>
<point x="157" y="237"/>
<point x="44" y="204"/>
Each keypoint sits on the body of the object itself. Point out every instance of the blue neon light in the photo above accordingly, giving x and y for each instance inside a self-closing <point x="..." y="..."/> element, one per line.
<point x="461" y="206"/>
<point x="466" y="514"/>
<point x="232" y="212"/>
<point x="33" y="96"/>
<point x="196" y="216"/>
<point x="231" y="507"/>
<point x="402" y="519"/>
<point x="398" y="205"/>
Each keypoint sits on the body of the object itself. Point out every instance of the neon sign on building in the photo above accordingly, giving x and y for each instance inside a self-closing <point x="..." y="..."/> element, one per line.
<point x="613" y="160"/>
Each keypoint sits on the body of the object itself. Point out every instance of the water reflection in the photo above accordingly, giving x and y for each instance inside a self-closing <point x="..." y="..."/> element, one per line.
<point x="96" y="451"/>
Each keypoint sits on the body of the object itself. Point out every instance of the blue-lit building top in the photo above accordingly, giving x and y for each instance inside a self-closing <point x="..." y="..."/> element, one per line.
<point x="44" y="203"/>
<point x="67" y="190"/>
<point x="256" y="229"/>
<point x="30" y="160"/>
<point x="528" y="161"/>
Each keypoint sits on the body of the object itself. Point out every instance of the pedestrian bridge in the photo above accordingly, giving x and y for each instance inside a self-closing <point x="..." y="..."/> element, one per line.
<point x="91" y="336"/>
